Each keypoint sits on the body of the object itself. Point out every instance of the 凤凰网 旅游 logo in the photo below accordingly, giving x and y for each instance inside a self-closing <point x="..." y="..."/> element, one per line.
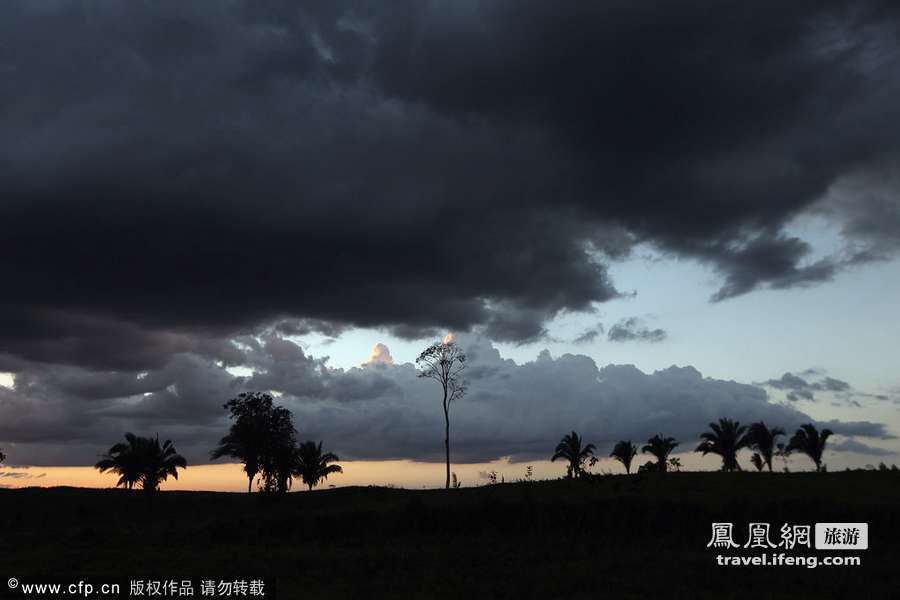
<point x="827" y="536"/>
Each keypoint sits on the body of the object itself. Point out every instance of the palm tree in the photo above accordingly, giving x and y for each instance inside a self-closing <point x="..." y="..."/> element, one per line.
<point x="623" y="452"/>
<point x="810" y="442"/>
<point x="143" y="461"/>
<point x="311" y="464"/>
<point x="570" y="449"/>
<point x="758" y="462"/>
<point x="764" y="441"/>
<point x="244" y="445"/>
<point x="125" y="460"/>
<point x="660" y="447"/>
<point x="159" y="461"/>
<point x="726" y="438"/>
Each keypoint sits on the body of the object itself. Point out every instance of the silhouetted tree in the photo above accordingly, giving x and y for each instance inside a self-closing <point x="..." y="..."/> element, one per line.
<point x="624" y="451"/>
<point x="810" y="442"/>
<point x="258" y="434"/>
<point x="2" y="456"/>
<point x="758" y="462"/>
<point x="125" y="460"/>
<point x="313" y="465"/>
<point x="570" y="449"/>
<point x="143" y="461"/>
<point x="444" y="362"/>
<point x="159" y="461"/>
<point x="764" y="441"/>
<point x="279" y="451"/>
<point x="660" y="447"/>
<point x="726" y="438"/>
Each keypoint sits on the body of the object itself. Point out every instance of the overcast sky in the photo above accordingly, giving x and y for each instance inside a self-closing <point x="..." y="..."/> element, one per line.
<point x="637" y="218"/>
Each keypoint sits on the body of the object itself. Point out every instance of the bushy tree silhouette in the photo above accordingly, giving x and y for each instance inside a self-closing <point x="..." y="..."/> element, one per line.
<point x="444" y="362"/>
<point x="660" y="447"/>
<point x="725" y="438"/>
<point x="624" y="451"/>
<point x="764" y="441"/>
<point x="259" y="437"/>
<point x="279" y="451"/>
<point x="142" y="461"/>
<point x="810" y="442"/>
<point x="570" y="449"/>
<point x="312" y="465"/>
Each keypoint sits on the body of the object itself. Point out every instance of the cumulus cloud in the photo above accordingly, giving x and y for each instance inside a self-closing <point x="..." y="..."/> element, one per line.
<point x="381" y="355"/>
<point x="634" y="329"/>
<point x="511" y="409"/>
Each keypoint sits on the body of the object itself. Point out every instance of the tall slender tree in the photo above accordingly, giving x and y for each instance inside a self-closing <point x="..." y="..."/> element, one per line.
<point x="313" y="465"/>
<point x="624" y="451"/>
<point x="570" y="449"/>
<point x="725" y="438"/>
<point x="444" y="362"/>
<point x="764" y="441"/>
<point x="810" y="442"/>
<point x="660" y="447"/>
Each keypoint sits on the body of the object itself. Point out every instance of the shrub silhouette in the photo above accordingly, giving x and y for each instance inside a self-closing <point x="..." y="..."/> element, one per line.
<point x="570" y="449"/>
<point x="660" y="447"/>
<point x="143" y="461"/>
<point x="810" y="442"/>
<point x="624" y="451"/>
<point x="312" y="465"/>
<point x="764" y="441"/>
<point x="725" y="438"/>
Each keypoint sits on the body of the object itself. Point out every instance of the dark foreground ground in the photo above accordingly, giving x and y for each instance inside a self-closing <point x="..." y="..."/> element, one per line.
<point x="615" y="537"/>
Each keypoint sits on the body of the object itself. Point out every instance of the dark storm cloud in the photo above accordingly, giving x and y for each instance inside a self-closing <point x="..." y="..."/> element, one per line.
<point x="177" y="173"/>
<point x="634" y="329"/>
<point x="383" y="410"/>
<point x="797" y="388"/>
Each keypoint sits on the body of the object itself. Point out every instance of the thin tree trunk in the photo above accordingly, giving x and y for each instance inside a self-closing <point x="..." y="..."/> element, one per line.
<point x="447" y="438"/>
<point x="249" y="484"/>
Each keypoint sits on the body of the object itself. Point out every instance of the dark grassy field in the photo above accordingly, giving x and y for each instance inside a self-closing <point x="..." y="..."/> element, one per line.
<point x="613" y="537"/>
